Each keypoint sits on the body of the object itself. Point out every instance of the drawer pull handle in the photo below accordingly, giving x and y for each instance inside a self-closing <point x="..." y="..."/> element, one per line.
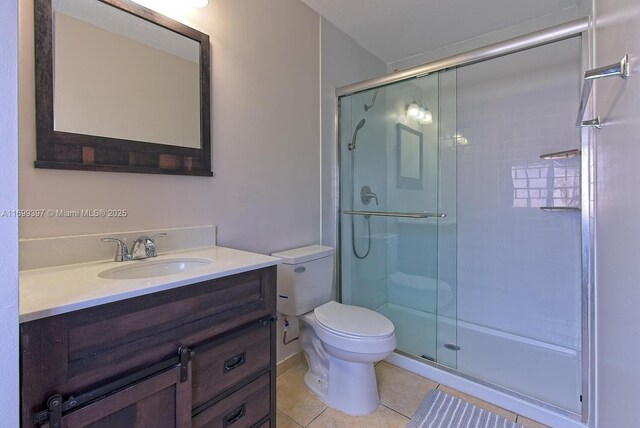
<point x="235" y="362"/>
<point x="234" y="416"/>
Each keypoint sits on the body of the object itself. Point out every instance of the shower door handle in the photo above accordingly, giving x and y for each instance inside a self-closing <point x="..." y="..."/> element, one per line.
<point x="396" y="214"/>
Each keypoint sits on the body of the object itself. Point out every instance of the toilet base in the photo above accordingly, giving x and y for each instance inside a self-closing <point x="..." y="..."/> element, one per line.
<point x="344" y="380"/>
<point x="351" y="388"/>
<point x="347" y="386"/>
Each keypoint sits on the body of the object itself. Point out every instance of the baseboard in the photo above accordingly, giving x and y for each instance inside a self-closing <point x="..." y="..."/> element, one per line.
<point x="289" y="363"/>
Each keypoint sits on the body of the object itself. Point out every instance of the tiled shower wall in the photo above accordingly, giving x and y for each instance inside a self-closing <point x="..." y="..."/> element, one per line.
<point x="519" y="267"/>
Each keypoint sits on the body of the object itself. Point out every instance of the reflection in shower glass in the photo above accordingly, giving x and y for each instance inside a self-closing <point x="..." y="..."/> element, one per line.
<point x="390" y="263"/>
<point x="545" y="184"/>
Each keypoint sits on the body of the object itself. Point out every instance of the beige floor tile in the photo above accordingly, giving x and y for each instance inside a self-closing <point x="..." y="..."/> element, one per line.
<point x="381" y="418"/>
<point x="482" y="404"/>
<point x="294" y="399"/>
<point x="283" y="421"/>
<point x="528" y="423"/>
<point x="401" y="390"/>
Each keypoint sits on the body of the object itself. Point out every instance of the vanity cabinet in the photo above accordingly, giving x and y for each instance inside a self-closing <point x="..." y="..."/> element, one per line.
<point x="217" y="336"/>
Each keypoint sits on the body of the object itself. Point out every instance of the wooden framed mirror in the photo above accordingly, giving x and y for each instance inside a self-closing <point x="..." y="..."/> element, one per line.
<point x="120" y="88"/>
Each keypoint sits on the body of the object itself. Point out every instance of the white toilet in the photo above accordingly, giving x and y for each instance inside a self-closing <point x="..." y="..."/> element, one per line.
<point x="340" y="342"/>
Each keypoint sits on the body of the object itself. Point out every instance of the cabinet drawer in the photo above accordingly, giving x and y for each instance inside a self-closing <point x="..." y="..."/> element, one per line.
<point x="149" y="316"/>
<point x="242" y="409"/>
<point x="225" y="362"/>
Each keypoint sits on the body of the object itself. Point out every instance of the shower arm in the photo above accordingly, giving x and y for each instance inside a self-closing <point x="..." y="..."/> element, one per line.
<point x="373" y="101"/>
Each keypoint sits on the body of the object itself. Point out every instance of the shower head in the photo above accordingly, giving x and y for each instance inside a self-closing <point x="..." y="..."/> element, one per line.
<point x="359" y="126"/>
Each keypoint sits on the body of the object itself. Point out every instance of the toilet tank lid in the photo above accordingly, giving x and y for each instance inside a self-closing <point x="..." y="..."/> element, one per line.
<point x="304" y="254"/>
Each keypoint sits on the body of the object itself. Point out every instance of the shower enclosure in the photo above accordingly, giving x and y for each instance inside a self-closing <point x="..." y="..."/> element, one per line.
<point x="460" y="218"/>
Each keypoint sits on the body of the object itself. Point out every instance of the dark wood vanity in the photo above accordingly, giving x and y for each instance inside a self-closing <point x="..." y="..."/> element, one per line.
<point x="201" y="355"/>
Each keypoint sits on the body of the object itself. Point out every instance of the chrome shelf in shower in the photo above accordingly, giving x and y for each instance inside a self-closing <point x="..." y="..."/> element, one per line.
<point x="561" y="155"/>
<point x="396" y="214"/>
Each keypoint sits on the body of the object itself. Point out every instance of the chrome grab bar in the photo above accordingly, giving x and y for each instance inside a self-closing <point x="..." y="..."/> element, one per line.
<point x="395" y="214"/>
<point x="620" y="69"/>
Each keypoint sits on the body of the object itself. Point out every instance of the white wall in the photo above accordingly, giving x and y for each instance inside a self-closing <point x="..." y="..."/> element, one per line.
<point x="617" y="225"/>
<point x="265" y="136"/>
<point x="343" y="61"/>
<point x="9" y="201"/>
<point x="266" y="133"/>
<point x="519" y="268"/>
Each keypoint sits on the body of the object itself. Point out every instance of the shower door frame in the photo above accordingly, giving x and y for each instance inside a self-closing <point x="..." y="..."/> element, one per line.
<point x="578" y="28"/>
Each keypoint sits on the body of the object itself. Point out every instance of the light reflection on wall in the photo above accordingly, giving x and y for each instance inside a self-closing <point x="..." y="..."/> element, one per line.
<point x="180" y="11"/>
<point x="554" y="184"/>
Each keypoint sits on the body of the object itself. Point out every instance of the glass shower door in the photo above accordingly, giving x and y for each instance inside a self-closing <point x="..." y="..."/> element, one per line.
<point x="492" y="289"/>
<point x="390" y="143"/>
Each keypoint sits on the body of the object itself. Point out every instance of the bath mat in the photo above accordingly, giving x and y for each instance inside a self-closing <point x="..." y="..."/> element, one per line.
<point x="441" y="410"/>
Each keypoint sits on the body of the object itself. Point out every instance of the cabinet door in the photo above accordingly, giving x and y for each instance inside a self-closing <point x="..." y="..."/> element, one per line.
<point x="161" y="401"/>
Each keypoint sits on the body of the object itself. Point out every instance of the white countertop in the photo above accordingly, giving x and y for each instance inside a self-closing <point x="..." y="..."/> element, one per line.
<point x="62" y="289"/>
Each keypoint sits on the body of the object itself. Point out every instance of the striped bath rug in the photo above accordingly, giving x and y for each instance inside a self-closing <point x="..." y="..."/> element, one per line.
<point x="441" y="410"/>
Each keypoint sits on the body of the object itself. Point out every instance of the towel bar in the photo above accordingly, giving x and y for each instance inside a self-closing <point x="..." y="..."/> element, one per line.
<point x="620" y="69"/>
<point x="395" y="214"/>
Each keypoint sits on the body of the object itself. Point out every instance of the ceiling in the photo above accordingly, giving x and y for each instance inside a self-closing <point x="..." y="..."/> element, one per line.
<point x="397" y="29"/>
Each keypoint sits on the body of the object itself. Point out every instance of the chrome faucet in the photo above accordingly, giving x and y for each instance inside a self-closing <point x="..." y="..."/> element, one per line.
<point x="143" y="247"/>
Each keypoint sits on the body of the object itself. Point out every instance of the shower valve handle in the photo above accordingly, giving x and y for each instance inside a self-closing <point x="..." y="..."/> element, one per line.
<point x="366" y="195"/>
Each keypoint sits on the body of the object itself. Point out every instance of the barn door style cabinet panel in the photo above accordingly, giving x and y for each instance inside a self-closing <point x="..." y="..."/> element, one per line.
<point x="201" y="355"/>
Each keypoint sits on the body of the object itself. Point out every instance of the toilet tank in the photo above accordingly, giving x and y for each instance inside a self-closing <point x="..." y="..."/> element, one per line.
<point x="305" y="278"/>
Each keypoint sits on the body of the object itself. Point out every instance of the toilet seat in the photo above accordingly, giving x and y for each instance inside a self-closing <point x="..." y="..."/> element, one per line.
<point x="353" y="322"/>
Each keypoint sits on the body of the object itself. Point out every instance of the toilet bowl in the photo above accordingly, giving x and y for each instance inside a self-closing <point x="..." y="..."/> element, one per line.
<point x="340" y="342"/>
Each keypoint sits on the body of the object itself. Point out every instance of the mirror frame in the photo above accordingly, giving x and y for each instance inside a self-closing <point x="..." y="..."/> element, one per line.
<point x="65" y="150"/>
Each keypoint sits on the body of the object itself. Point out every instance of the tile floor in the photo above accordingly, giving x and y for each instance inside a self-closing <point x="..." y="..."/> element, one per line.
<point x="400" y="394"/>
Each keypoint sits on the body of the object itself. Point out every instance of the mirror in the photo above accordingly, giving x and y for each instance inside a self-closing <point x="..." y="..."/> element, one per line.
<point x="409" y="157"/>
<point x="120" y="88"/>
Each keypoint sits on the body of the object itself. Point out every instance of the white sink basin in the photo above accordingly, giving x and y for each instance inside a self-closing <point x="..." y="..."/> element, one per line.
<point x="151" y="269"/>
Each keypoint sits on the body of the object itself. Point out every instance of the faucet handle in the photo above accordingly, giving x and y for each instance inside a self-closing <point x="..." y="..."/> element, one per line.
<point x="157" y="235"/>
<point x="151" y="244"/>
<point x="145" y="247"/>
<point x="366" y="195"/>
<point x="122" y="252"/>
